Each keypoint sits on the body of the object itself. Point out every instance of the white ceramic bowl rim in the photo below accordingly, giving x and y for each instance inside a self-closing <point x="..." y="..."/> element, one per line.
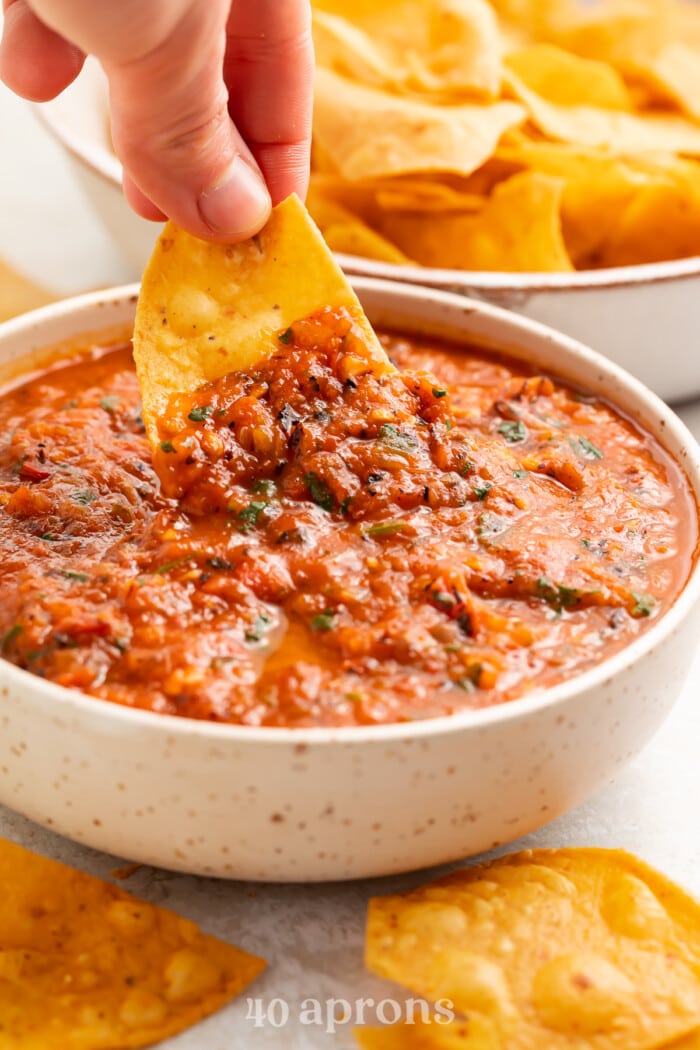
<point x="653" y="407"/>
<point x="105" y="164"/>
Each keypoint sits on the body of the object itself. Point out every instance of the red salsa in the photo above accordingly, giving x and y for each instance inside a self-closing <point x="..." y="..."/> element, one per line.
<point x="319" y="543"/>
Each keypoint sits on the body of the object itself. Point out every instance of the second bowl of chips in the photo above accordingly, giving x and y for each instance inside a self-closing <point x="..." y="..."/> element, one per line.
<point x="541" y="155"/>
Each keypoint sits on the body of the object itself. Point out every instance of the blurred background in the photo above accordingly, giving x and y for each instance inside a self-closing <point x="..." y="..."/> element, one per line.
<point x="47" y="229"/>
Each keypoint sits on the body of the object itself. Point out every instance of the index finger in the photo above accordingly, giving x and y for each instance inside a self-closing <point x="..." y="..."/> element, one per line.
<point x="269" y="73"/>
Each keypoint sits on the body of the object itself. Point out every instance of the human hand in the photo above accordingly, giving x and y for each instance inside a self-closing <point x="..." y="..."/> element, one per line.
<point x="210" y="99"/>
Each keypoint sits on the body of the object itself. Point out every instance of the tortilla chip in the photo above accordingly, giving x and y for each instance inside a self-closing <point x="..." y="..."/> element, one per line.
<point x="18" y="294"/>
<point x="599" y="188"/>
<point x="209" y="309"/>
<point x="86" y="966"/>
<point x="345" y="232"/>
<point x="673" y="74"/>
<point x="445" y="49"/>
<point x="608" y="129"/>
<point x="552" y="948"/>
<point x="568" y="80"/>
<point x="658" y="223"/>
<point x="612" y="94"/>
<point x="685" y="20"/>
<point x="371" y="133"/>
<point x="473" y="1033"/>
<point x="688" y="1042"/>
<point x="519" y="229"/>
<point x="369" y="197"/>
<point x="607" y="31"/>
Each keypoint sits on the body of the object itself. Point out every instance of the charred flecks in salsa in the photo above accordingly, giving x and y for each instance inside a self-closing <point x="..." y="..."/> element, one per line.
<point x="329" y="545"/>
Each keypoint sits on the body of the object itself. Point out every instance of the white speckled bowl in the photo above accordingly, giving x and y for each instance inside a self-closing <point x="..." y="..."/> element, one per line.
<point x="645" y="318"/>
<point x="303" y="805"/>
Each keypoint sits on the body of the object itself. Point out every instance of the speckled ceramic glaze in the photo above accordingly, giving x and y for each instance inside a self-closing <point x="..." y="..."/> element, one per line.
<point x="645" y="318"/>
<point x="288" y="805"/>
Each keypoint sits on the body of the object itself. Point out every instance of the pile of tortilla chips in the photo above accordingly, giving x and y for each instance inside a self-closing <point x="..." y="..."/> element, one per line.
<point x="545" y="950"/>
<point x="517" y="135"/>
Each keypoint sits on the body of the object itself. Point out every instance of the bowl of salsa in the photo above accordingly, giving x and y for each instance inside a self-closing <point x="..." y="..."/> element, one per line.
<point x="339" y="624"/>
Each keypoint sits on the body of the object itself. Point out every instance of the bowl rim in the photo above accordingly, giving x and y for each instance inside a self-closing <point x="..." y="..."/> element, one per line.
<point x="106" y="165"/>
<point x="651" y="408"/>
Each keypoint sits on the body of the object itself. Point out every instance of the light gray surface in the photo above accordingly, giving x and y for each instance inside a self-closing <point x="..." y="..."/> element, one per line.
<point x="311" y="935"/>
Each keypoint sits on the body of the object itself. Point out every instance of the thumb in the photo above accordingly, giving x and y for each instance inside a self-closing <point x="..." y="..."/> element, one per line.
<point x="172" y="131"/>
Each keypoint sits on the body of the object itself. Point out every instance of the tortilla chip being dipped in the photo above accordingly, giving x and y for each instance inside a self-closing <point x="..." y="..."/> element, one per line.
<point x="206" y="310"/>
<point x="86" y="966"/>
<point x="556" y="949"/>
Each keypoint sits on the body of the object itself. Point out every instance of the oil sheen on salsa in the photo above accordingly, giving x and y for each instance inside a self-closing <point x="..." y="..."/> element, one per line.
<point x="315" y="543"/>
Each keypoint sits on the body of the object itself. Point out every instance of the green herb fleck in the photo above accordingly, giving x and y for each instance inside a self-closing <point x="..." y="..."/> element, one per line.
<point x="387" y="528"/>
<point x="79" y="577"/>
<point x="443" y="600"/>
<point x="398" y="440"/>
<point x="320" y="493"/>
<point x="354" y="698"/>
<point x="644" y="605"/>
<point x="585" y="448"/>
<point x="255" y="633"/>
<point x="85" y="496"/>
<point x="109" y="403"/>
<point x="482" y="493"/>
<point x="439" y="393"/>
<point x="175" y="564"/>
<point x="167" y="446"/>
<point x="325" y="621"/>
<point x="569" y="597"/>
<point x="264" y="487"/>
<point x="448" y="424"/>
<point x="9" y="636"/>
<point x="49" y="537"/>
<point x="286" y="337"/>
<point x="513" y="430"/>
<point x="248" y="517"/>
<point x="200" y="413"/>
<point x="470" y="681"/>
<point x="557" y="596"/>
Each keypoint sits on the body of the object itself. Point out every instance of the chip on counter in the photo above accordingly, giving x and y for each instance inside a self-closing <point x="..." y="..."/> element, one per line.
<point x="18" y="294"/>
<point x="562" y="949"/>
<point x="86" y="966"/>
<point x="206" y="310"/>
<point x="473" y="1033"/>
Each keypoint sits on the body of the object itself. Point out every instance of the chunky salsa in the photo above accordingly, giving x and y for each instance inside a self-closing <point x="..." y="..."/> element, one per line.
<point x="319" y="543"/>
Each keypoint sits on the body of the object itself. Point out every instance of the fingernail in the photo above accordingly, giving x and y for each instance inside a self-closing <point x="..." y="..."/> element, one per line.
<point x="239" y="204"/>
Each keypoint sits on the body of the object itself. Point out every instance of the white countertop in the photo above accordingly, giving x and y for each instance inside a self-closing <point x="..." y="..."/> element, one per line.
<point x="312" y="936"/>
